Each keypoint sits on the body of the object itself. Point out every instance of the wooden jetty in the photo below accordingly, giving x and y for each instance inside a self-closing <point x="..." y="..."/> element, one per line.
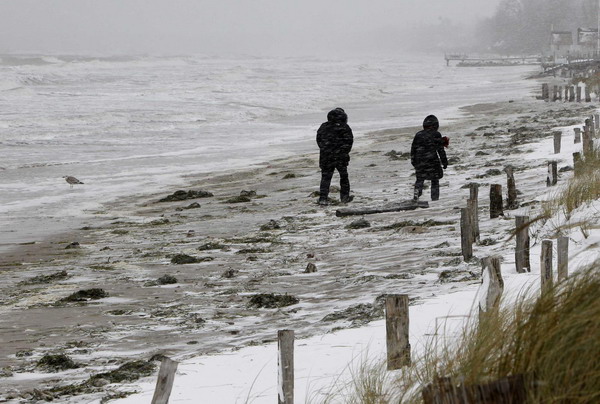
<point x="466" y="60"/>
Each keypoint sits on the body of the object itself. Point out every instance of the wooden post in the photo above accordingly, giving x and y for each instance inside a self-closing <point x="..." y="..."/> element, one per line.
<point x="474" y="196"/>
<point x="522" y="248"/>
<point x="496" y="201"/>
<point x="285" y="365"/>
<point x="577" y="163"/>
<point x="592" y="127"/>
<point x="555" y="93"/>
<point x="552" y="178"/>
<point x="466" y="234"/>
<point x="597" y="122"/>
<point x="396" y="327"/>
<point x="164" y="383"/>
<point x="557" y="142"/>
<point x="545" y="92"/>
<point x="572" y="94"/>
<point x="495" y="284"/>
<point x="511" y="187"/>
<point x="578" y="94"/>
<point x="587" y="141"/>
<point x="472" y="208"/>
<point x="546" y="265"/>
<point x="560" y="90"/>
<point x="588" y="97"/>
<point x="577" y="138"/>
<point x="563" y="258"/>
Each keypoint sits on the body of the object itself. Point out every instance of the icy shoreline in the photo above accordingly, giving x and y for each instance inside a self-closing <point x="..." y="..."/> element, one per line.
<point x="126" y="126"/>
<point x="209" y="308"/>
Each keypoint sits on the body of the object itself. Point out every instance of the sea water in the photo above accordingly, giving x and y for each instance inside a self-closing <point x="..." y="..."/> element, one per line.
<point x="138" y="125"/>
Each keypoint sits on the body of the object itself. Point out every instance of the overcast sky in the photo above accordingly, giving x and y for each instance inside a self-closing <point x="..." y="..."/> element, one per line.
<point x="220" y="26"/>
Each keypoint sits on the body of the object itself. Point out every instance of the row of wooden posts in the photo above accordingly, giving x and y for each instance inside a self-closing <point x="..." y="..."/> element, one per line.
<point x="396" y="306"/>
<point x="566" y="93"/>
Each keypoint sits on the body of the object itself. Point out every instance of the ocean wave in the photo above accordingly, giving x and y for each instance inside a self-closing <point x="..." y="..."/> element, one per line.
<point x="17" y="60"/>
<point x="8" y="85"/>
<point x="39" y="79"/>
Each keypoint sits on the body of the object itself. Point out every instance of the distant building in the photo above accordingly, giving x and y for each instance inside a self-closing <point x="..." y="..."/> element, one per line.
<point x="561" y="43"/>
<point x="562" y="46"/>
<point x="587" y="40"/>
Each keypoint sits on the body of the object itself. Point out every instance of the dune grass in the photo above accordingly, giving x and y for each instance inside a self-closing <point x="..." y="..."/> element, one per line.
<point x="566" y="210"/>
<point x="552" y="340"/>
<point x="582" y="188"/>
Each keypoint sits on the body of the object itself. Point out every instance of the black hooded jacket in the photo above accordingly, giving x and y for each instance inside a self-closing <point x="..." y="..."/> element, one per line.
<point x="427" y="154"/>
<point x="335" y="139"/>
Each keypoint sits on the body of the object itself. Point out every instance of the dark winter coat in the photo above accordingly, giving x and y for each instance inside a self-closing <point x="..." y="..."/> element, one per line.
<point x="335" y="139"/>
<point x="427" y="155"/>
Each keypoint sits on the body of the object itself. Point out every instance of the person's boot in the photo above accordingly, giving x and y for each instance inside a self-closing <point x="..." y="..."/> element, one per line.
<point x="346" y="198"/>
<point x="323" y="201"/>
<point x="435" y="192"/>
<point x="416" y="195"/>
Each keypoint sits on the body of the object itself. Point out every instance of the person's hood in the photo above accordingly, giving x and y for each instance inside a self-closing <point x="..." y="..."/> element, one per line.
<point x="337" y="115"/>
<point x="431" y="121"/>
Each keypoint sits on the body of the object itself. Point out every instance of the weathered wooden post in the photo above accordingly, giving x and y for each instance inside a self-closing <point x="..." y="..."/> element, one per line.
<point x="577" y="138"/>
<point x="546" y="265"/>
<point x="587" y="141"/>
<point x="522" y="248"/>
<point x="578" y="94"/>
<point x="577" y="163"/>
<point x="511" y="202"/>
<point x="552" y="178"/>
<point x="562" y="248"/>
<point x="597" y="122"/>
<point x="164" y="383"/>
<point x="560" y="90"/>
<point x="496" y="201"/>
<point x="545" y="92"/>
<point x="592" y="127"/>
<point x="571" y="93"/>
<point x="555" y="93"/>
<point x="588" y="96"/>
<point x="493" y="284"/>
<point x="466" y="234"/>
<point x="285" y="364"/>
<point x="474" y="197"/>
<point x="396" y="327"/>
<point x="557" y="142"/>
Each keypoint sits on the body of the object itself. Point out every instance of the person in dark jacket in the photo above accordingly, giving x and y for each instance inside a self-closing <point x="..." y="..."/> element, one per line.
<point x="335" y="139"/>
<point x="428" y="157"/>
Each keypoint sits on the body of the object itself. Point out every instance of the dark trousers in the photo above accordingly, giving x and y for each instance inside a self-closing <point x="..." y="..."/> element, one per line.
<point x="435" y="189"/>
<point x="327" y="174"/>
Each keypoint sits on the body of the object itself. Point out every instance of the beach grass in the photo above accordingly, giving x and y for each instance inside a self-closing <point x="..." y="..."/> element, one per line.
<point x="582" y="189"/>
<point x="552" y="341"/>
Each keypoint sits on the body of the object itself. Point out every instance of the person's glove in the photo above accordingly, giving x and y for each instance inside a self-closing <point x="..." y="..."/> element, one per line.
<point x="445" y="166"/>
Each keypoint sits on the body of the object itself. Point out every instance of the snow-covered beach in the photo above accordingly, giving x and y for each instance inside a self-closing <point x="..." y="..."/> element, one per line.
<point x="129" y="125"/>
<point x="128" y="243"/>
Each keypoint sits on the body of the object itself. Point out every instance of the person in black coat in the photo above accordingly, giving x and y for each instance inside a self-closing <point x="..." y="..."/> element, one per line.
<point x="428" y="157"/>
<point x="335" y="139"/>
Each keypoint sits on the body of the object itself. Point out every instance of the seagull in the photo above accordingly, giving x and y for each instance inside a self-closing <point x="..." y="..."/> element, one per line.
<point x="72" y="180"/>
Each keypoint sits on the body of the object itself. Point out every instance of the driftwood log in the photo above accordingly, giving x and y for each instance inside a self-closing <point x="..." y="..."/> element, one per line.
<point x="390" y="207"/>
<point x="510" y="390"/>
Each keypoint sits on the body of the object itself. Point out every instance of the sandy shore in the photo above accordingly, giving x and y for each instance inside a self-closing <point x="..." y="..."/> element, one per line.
<point x="261" y="246"/>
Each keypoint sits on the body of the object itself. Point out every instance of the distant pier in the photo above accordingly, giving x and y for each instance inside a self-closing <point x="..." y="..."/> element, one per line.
<point x="466" y="60"/>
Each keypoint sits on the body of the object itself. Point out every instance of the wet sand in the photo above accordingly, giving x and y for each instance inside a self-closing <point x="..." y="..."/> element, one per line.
<point x="131" y="243"/>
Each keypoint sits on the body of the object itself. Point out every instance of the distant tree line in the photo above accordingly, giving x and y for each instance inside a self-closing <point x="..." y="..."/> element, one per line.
<point x="523" y="26"/>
